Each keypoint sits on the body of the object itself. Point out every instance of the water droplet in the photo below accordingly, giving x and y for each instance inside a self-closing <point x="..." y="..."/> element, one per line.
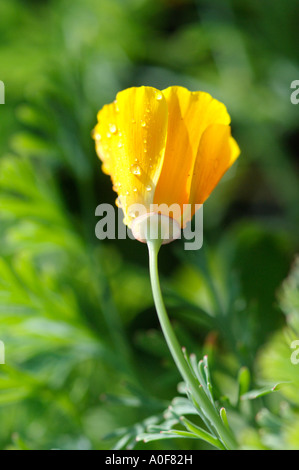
<point x="143" y="123"/>
<point x="95" y="135"/>
<point x="136" y="159"/>
<point x="135" y="190"/>
<point x="159" y="96"/>
<point x="117" y="202"/>
<point x="132" y="214"/>
<point x="116" y="186"/>
<point x="105" y="169"/>
<point x="133" y="121"/>
<point x="145" y="141"/>
<point x="148" y="188"/>
<point x="113" y="128"/>
<point x="127" y="193"/>
<point x="135" y="169"/>
<point x="108" y="135"/>
<point x="120" y="145"/>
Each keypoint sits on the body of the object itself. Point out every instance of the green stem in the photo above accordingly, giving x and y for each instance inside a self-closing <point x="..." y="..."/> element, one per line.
<point x="176" y="351"/>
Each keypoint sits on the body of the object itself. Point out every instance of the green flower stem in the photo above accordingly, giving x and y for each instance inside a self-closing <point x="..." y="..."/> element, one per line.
<point x="198" y="393"/>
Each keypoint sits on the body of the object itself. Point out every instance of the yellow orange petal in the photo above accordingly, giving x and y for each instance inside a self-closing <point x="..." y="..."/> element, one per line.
<point x="217" y="151"/>
<point x="130" y="140"/>
<point x="189" y="114"/>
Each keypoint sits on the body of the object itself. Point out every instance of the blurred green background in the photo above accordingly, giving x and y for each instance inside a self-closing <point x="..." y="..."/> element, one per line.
<point x="86" y="364"/>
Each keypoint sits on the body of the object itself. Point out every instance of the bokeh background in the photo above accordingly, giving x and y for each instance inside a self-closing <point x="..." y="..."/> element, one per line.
<point x="86" y="364"/>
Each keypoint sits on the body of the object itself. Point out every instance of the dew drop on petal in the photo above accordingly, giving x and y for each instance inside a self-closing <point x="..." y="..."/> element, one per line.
<point x="116" y="186"/>
<point x="132" y="214"/>
<point x="105" y="169"/>
<point x="95" y="135"/>
<point x="159" y="96"/>
<point x="135" y="169"/>
<point x="143" y="123"/>
<point x="148" y="188"/>
<point x="117" y="202"/>
<point x="112" y="128"/>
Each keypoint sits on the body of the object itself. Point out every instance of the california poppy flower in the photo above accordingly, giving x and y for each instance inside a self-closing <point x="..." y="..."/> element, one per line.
<point x="167" y="148"/>
<point x="164" y="147"/>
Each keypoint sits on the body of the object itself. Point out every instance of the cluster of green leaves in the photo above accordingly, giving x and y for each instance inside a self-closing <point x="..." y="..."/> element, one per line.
<point x="85" y="358"/>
